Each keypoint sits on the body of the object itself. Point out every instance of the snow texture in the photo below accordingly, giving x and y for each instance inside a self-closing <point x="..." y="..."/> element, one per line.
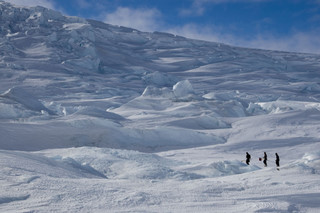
<point x="96" y="118"/>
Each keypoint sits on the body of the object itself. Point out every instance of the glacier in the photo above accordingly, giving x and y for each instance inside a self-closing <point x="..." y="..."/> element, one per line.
<point x="96" y="117"/>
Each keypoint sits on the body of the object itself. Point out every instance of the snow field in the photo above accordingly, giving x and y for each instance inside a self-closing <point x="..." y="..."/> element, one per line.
<point x="144" y="182"/>
<point x="97" y="118"/>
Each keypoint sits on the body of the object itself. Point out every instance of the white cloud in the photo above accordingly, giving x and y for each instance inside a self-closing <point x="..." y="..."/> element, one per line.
<point x="307" y="42"/>
<point x="141" y="19"/>
<point x="295" y="42"/>
<point x="83" y="4"/>
<point x="150" y="20"/>
<point x="228" y="1"/>
<point x="198" y="7"/>
<point x="32" y="3"/>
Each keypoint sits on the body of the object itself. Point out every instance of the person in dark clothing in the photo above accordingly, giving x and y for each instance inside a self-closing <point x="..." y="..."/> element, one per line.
<point x="265" y="158"/>
<point x="277" y="160"/>
<point x="248" y="157"/>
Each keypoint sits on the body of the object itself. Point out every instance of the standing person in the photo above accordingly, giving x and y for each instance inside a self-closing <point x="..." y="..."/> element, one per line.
<point x="265" y="158"/>
<point x="248" y="157"/>
<point x="277" y="160"/>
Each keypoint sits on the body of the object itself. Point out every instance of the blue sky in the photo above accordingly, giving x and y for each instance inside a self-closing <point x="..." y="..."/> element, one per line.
<point x="290" y="25"/>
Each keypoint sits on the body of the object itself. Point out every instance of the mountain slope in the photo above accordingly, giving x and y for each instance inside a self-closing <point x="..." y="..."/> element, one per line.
<point x="68" y="66"/>
<point x="96" y="117"/>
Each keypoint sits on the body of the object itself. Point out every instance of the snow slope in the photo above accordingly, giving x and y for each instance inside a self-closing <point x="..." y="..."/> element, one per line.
<point x="96" y="118"/>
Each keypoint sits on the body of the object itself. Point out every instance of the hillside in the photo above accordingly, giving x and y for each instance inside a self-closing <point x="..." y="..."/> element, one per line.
<point x="95" y="116"/>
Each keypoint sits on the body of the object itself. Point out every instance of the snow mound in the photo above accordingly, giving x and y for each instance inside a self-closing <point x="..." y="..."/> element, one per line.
<point x="99" y="113"/>
<point x="255" y="109"/>
<point x="165" y="138"/>
<point x="77" y="131"/>
<point x="34" y="164"/>
<point x="159" y="79"/>
<point x="116" y="164"/>
<point x="275" y="107"/>
<point x="87" y="63"/>
<point x="222" y="168"/>
<point x="230" y="108"/>
<point x="183" y="90"/>
<point x="20" y="95"/>
<point x="222" y="95"/>
<point x="310" y="163"/>
<point x="152" y="91"/>
<point x="201" y="122"/>
<point x="280" y="106"/>
<point x="225" y="168"/>
<point x="10" y="111"/>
